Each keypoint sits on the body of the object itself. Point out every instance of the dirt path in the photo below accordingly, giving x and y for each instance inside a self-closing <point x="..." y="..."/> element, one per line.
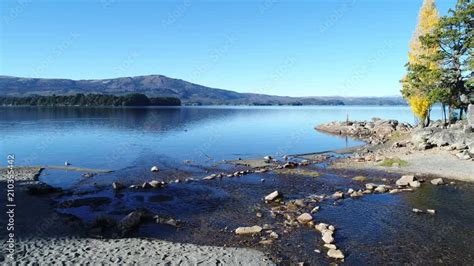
<point x="434" y="162"/>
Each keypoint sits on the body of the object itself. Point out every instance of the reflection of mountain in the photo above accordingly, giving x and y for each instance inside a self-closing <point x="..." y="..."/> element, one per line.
<point x="144" y="119"/>
<point x="162" y="86"/>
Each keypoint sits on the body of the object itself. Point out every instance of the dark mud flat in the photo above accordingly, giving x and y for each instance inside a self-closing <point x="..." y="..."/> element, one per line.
<point x="374" y="229"/>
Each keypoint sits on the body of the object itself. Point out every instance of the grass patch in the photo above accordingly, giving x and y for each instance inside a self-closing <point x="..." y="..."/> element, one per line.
<point x="393" y="162"/>
<point x="301" y="172"/>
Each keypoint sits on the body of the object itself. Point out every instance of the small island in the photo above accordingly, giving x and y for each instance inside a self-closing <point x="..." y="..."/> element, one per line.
<point x="80" y="99"/>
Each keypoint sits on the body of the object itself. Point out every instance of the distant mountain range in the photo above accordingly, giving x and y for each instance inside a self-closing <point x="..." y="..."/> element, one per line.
<point x="162" y="86"/>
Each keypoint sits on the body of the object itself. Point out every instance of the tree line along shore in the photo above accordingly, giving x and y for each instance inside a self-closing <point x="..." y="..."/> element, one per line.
<point x="133" y="99"/>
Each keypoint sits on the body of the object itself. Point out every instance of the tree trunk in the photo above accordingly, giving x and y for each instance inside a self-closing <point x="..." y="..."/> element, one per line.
<point x="426" y="123"/>
<point x="443" y="106"/>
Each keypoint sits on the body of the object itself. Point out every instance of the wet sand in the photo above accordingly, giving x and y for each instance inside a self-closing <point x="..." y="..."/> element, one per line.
<point x="44" y="236"/>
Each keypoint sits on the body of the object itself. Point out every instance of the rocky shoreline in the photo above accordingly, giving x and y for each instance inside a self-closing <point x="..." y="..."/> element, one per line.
<point x="397" y="147"/>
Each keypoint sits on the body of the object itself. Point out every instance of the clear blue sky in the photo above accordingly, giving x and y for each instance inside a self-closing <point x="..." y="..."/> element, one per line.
<point x="296" y="48"/>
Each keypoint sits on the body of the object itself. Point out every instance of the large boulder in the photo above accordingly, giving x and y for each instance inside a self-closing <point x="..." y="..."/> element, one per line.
<point x="442" y="138"/>
<point x="470" y="115"/>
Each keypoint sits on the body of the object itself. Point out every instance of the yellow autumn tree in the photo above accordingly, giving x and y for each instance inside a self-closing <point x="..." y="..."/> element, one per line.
<point x="428" y="19"/>
<point x="421" y="68"/>
<point x="419" y="105"/>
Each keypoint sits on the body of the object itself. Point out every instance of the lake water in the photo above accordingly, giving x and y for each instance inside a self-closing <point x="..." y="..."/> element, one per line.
<point x="116" y="138"/>
<point x="376" y="229"/>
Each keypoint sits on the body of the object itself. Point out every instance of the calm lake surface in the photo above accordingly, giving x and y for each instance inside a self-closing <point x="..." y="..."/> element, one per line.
<point x="116" y="138"/>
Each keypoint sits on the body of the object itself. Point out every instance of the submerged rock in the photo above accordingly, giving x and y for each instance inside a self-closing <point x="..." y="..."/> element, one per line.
<point x="93" y="202"/>
<point x="415" y="210"/>
<point x="248" y="230"/>
<point x="117" y="186"/>
<point x="431" y="211"/>
<point x="210" y="177"/>
<point x="133" y="220"/>
<point x="161" y="219"/>
<point x="359" y="178"/>
<point x="40" y="188"/>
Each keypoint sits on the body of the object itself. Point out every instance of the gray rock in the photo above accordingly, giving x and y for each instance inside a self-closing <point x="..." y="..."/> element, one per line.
<point x="272" y="196"/>
<point x="380" y="189"/>
<point x="274" y="235"/>
<point x="467" y="129"/>
<point x="370" y="186"/>
<point x="156" y="184"/>
<point x="470" y="115"/>
<point x="305" y="218"/>
<point x="338" y="195"/>
<point x="248" y="230"/>
<point x="321" y="227"/>
<point x="335" y="254"/>
<point x="415" y="184"/>
<point x="162" y="219"/>
<point x="437" y="181"/>
<point x="442" y="138"/>
<point x="464" y="155"/>
<point x="405" y="180"/>
<point x="133" y="220"/>
<point x="327" y="237"/>
<point x="330" y="246"/>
